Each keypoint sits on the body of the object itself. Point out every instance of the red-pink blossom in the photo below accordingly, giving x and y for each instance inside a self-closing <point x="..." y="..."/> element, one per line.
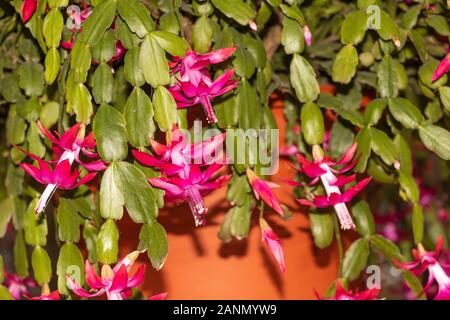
<point x="307" y="35"/>
<point x="442" y="68"/>
<point x="18" y="285"/>
<point x="116" y="283"/>
<point x="195" y="85"/>
<point x="437" y="271"/>
<point x="54" y="176"/>
<point x="191" y="188"/>
<point x="28" y="8"/>
<point x="186" y="94"/>
<point x="270" y="238"/>
<point x="262" y="189"/>
<point x="342" y="294"/>
<point x="189" y="172"/>
<point x="192" y="67"/>
<point x="322" y="169"/>
<point x="71" y="143"/>
<point x="58" y="174"/>
<point x="54" y="295"/>
<point x="159" y="296"/>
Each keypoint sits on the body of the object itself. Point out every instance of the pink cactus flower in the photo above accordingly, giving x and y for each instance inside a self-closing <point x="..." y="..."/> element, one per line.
<point x="342" y="294"/>
<point x="308" y="35"/>
<point x="186" y="94"/>
<point x="262" y="189"/>
<point x="77" y="16"/>
<point x="178" y="154"/>
<point x="116" y="283"/>
<point x="71" y="143"/>
<point x="195" y="85"/>
<point x="120" y="51"/>
<point x="289" y="150"/>
<point x="191" y="188"/>
<point x="192" y="67"/>
<point x="270" y="238"/>
<point x="60" y="177"/>
<point x="442" y="68"/>
<point x="322" y="168"/>
<point x="159" y="296"/>
<point x="17" y="285"/>
<point x="437" y="271"/>
<point x="54" y="295"/>
<point x="28" y="8"/>
<point x="181" y="165"/>
<point x="67" y="148"/>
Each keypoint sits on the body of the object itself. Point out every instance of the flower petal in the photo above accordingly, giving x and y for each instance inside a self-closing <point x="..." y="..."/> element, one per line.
<point x="32" y="171"/>
<point x="137" y="278"/>
<point x="159" y="296"/>
<point x="349" y="154"/>
<point x="353" y="191"/>
<point x="75" y="287"/>
<point x="119" y="281"/>
<point x="218" y="56"/>
<point x="47" y="133"/>
<point x="312" y="170"/>
<point x="92" y="279"/>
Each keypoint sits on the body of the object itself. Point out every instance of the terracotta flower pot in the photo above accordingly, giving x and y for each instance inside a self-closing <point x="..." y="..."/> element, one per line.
<point x="200" y="266"/>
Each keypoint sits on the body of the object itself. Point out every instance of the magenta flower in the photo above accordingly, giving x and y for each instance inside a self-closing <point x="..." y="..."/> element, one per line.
<point x="60" y="177"/>
<point x="28" y="8"/>
<point x="322" y="168"/>
<point x="116" y="283"/>
<point x="189" y="170"/>
<point x="120" y="51"/>
<point x="186" y="94"/>
<point x="442" y="68"/>
<point x="192" y="67"/>
<point x="191" y="188"/>
<point x="195" y="84"/>
<point x="342" y="294"/>
<point x="270" y="238"/>
<point x="17" y="285"/>
<point x="159" y="296"/>
<point x="262" y="189"/>
<point x="78" y="16"/>
<point x="71" y="143"/>
<point x="307" y="35"/>
<point x="54" y="295"/>
<point x="437" y="272"/>
<point x="289" y="150"/>
<point x="178" y="154"/>
<point x="67" y="148"/>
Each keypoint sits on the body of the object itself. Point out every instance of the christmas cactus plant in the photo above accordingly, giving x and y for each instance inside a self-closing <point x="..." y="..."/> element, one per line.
<point x="117" y="109"/>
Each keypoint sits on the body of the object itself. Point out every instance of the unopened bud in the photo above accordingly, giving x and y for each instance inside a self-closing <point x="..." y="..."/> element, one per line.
<point x="81" y="131"/>
<point x="317" y="153"/>
<point x="263" y="224"/>
<point x="133" y="256"/>
<point x="107" y="273"/>
<point x="421" y="249"/>
<point x="397" y="42"/>
<point x="45" y="290"/>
